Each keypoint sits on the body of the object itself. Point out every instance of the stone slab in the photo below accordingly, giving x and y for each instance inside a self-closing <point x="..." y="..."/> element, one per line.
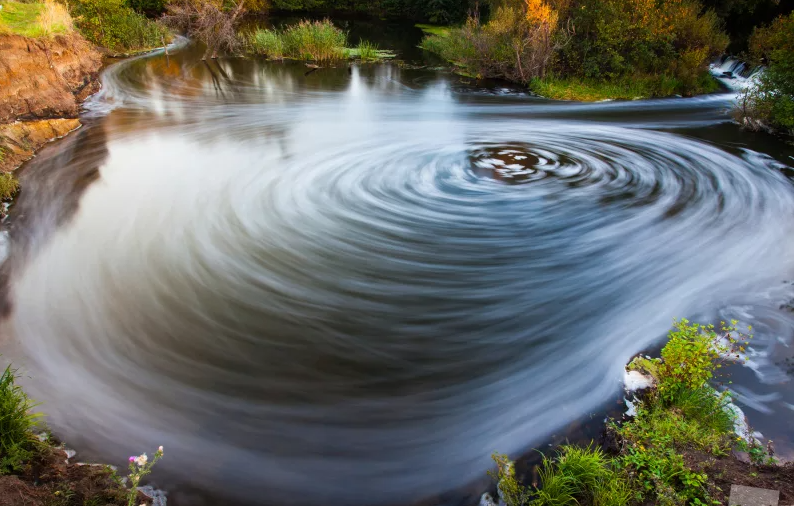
<point x="750" y="496"/>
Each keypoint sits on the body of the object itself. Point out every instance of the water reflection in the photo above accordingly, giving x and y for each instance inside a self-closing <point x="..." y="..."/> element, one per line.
<point x="321" y="288"/>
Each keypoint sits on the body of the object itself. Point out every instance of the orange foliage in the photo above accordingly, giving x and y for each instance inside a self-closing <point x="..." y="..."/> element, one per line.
<point x="541" y="13"/>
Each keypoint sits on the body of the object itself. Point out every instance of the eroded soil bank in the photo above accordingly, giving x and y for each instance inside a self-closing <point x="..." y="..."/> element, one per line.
<point x="42" y="83"/>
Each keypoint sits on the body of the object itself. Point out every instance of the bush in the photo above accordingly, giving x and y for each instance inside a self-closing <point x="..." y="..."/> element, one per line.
<point x="518" y="43"/>
<point x="17" y="442"/>
<point x="113" y="25"/>
<point x="625" y="38"/>
<point x="307" y="40"/>
<point x="771" y="100"/>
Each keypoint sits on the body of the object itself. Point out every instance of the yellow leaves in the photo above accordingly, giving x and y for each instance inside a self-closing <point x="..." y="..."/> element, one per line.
<point x="539" y="12"/>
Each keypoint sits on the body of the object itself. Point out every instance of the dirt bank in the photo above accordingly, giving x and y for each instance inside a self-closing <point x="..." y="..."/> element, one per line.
<point x="42" y="83"/>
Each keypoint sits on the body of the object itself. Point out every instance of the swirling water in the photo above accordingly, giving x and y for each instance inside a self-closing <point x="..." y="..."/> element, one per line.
<point x="352" y="286"/>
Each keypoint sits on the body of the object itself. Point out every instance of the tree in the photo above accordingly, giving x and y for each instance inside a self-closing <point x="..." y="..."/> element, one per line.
<point x="214" y="22"/>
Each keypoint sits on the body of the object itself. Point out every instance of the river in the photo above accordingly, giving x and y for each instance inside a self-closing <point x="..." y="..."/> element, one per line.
<point x="351" y="286"/>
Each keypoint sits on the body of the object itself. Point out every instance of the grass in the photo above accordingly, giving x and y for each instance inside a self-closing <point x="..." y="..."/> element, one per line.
<point x="441" y="31"/>
<point x="34" y="19"/>
<point x="9" y="185"/>
<point x="318" y="41"/>
<point x="682" y="414"/>
<point x="590" y="90"/>
<point x="17" y="442"/>
<point x="369" y="52"/>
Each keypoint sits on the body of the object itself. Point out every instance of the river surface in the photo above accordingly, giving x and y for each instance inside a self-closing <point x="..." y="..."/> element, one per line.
<point x="352" y="286"/>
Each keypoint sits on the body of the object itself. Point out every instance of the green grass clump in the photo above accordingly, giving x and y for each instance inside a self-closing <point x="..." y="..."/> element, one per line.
<point x="9" y="185"/>
<point x="17" y="443"/>
<point x="113" y="25"/>
<point x="307" y="40"/>
<point x="268" y="43"/>
<point x="34" y="19"/>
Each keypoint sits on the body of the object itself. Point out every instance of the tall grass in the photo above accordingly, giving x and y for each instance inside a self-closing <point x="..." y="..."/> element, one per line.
<point x="368" y="51"/>
<point x="54" y="18"/>
<point x="16" y="423"/>
<point x="35" y="19"/>
<point x="9" y="184"/>
<point x="307" y="40"/>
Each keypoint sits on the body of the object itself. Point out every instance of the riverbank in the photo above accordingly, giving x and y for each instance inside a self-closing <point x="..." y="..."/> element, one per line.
<point x="43" y="81"/>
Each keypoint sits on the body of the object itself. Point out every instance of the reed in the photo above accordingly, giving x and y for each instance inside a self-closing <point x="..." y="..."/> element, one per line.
<point x="307" y="40"/>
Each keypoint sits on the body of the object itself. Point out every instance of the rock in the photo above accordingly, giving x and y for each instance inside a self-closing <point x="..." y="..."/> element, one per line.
<point x="157" y="497"/>
<point x="487" y="500"/>
<point x="20" y="140"/>
<point x="750" y="496"/>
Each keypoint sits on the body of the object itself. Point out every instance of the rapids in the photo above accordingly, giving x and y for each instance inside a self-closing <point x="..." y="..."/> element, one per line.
<point x="351" y="287"/>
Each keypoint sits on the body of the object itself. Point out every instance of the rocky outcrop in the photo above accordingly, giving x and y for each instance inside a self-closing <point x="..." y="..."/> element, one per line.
<point x="19" y="140"/>
<point x="42" y="82"/>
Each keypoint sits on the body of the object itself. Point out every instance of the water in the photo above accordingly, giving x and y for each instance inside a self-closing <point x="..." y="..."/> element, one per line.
<point x="352" y="286"/>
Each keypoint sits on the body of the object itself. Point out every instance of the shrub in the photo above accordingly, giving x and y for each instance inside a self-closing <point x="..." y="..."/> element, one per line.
<point x="113" y="25"/>
<point x="16" y="423"/>
<point x="517" y="43"/>
<point x="771" y="100"/>
<point x="9" y="185"/>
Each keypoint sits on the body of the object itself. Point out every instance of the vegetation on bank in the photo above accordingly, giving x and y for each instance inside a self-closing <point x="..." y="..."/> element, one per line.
<point x="769" y="103"/>
<point x="580" y="49"/>
<point x="669" y="452"/>
<point x="113" y="25"/>
<point x="34" y="19"/>
<point x="33" y="466"/>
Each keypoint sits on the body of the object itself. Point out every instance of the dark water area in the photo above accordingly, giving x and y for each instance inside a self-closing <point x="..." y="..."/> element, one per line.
<point x="352" y="286"/>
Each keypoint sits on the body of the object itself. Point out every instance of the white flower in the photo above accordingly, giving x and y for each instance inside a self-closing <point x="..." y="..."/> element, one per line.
<point x="160" y="449"/>
<point x="141" y="460"/>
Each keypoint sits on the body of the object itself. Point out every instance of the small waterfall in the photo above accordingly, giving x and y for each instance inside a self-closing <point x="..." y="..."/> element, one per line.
<point x="735" y="73"/>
